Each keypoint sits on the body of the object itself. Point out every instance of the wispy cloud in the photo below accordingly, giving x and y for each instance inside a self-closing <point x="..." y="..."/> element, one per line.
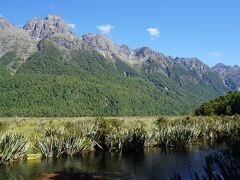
<point x="215" y="54"/>
<point x="153" y="32"/>
<point x="72" y="25"/>
<point x="105" y="29"/>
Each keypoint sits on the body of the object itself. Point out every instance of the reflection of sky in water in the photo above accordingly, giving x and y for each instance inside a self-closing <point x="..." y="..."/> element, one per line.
<point x="153" y="164"/>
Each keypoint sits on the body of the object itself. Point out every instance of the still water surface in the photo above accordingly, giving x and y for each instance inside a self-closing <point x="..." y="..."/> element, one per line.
<point x="154" y="163"/>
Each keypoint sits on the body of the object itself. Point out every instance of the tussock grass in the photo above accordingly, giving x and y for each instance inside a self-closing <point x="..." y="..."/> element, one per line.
<point x="12" y="148"/>
<point x="56" y="144"/>
<point x="55" y="137"/>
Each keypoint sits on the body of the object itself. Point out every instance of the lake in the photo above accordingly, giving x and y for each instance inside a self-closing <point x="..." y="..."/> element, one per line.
<point x="153" y="163"/>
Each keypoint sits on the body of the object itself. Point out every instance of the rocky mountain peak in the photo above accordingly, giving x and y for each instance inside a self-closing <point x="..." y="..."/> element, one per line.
<point x="42" y="27"/>
<point x="146" y="52"/>
<point x="54" y="18"/>
<point x="99" y="42"/>
<point x="220" y="67"/>
<point x="229" y="74"/>
<point x="193" y="64"/>
<point x="125" y="50"/>
<point x="143" y="52"/>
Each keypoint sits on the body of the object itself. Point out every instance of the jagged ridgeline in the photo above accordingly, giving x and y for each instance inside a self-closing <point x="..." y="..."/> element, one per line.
<point x="47" y="70"/>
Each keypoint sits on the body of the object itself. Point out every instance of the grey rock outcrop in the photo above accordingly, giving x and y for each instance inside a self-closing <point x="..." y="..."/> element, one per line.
<point x="229" y="74"/>
<point x="107" y="48"/>
<point x="42" y="27"/>
<point x="13" y="39"/>
<point x="193" y="64"/>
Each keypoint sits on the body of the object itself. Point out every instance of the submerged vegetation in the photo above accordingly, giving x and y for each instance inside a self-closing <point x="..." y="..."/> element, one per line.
<point x="55" y="138"/>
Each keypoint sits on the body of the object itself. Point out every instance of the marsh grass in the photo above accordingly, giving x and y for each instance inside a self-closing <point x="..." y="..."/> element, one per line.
<point x="132" y="140"/>
<point x="56" y="143"/>
<point x="12" y="148"/>
<point x="56" y="137"/>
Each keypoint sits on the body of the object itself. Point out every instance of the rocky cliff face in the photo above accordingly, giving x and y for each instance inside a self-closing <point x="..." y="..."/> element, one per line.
<point x="52" y="28"/>
<point x="193" y="64"/>
<point x="13" y="39"/>
<point x="29" y="39"/>
<point x="230" y="75"/>
<point x="42" y="27"/>
<point x="133" y="57"/>
<point x="108" y="49"/>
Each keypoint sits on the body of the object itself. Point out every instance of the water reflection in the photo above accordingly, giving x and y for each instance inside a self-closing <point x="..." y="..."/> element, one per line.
<point x="154" y="163"/>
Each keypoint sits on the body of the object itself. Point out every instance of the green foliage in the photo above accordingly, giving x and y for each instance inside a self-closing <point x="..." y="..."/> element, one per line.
<point x="3" y="72"/>
<point x="177" y="136"/>
<point x="12" y="148"/>
<point x="56" y="144"/>
<point x="11" y="61"/>
<point x="133" y="140"/>
<point x="106" y="134"/>
<point x="224" y="105"/>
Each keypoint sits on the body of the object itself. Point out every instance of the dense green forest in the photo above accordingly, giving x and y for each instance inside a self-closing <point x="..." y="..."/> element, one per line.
<point x="55" y="82"/>
<point x="224" y="105"/>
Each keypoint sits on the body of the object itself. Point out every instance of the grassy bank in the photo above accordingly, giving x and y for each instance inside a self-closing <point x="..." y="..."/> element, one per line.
<point x="55" y="137"/>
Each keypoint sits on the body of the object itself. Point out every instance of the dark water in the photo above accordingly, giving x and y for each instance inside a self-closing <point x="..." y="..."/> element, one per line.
<point x="152" y="164"/>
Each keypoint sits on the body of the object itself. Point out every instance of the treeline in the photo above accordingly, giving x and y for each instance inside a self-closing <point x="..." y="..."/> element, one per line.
<point x="224" y="105"/>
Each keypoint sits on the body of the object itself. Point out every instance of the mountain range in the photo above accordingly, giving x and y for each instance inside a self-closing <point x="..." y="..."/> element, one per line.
<point x="48" y="70"/>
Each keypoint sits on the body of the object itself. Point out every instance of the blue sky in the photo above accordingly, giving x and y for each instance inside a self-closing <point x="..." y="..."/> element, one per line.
<point x="207" y="29"/>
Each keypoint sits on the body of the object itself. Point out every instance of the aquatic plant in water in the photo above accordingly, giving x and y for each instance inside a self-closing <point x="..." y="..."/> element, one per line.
<point x="176" y="136"/>
<point x="12" y="147"/>
<point x="56" y="144"/>
<point x="132" y="140"/>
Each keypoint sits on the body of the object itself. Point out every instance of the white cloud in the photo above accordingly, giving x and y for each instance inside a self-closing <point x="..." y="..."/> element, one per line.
<point x="215" y="54"/>
<point x="105" y="29"/>
<point x="153" y="32"/>
<point x="72" y="25"/>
